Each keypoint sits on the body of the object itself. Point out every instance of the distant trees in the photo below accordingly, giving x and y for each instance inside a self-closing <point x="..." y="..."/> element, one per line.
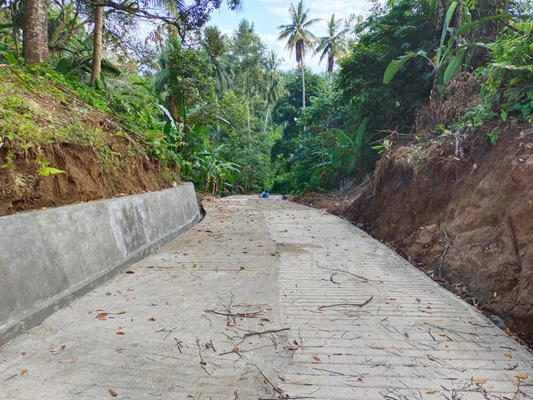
<point x="333" y="46"/>
<point x="300" y="39"/>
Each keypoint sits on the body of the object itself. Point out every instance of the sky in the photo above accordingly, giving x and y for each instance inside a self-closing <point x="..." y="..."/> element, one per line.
<point x="267" y="15"/>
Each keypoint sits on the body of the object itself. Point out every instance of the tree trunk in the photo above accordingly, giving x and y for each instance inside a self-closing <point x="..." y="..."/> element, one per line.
<point x="266" y="116"/>
<point x="15" y="30"/>
<point x="248" y="117"/>
<point x="35" y="31"/>
<point x="97" y="44"/>
<point x="303" y="82"/>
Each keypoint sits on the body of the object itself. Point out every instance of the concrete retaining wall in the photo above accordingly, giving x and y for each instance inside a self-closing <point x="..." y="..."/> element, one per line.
<point x="50" y="257"/>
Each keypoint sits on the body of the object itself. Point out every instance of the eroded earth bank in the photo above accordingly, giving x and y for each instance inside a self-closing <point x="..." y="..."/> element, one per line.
<point x="481" y="197"/>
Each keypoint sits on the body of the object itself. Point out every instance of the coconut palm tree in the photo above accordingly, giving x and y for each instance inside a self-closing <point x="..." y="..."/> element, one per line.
<point x="300" y="39"/>
<point x="275" y="87"/>
<point x="333" y="46"/>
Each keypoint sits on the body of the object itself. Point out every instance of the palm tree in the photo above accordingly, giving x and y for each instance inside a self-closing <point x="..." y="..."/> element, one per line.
<point x="159" y="81"/>
<point x="300" y="39"/>
<point x="333" y="46"/>
<point x="275" y="87"/>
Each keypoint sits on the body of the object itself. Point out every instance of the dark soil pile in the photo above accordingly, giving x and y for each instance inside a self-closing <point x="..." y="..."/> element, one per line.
<point x="22" y="188"/>
<point x="99" y="158"/>
<point x="482" y="199"/>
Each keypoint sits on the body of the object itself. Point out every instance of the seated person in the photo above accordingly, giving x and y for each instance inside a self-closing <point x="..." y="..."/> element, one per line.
<point x="262" y="194"/>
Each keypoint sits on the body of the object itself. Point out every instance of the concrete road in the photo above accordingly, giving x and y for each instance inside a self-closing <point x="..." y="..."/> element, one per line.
<point x="266" y="299"/>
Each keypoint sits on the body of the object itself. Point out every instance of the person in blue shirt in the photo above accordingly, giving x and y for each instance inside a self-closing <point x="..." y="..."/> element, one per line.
<point x="266" y="195"/>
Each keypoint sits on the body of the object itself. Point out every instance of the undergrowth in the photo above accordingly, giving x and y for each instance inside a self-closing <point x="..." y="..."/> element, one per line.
<point x="40" y="107"/>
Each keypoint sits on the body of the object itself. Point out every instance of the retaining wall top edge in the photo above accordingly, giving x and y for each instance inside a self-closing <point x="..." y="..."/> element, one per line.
<point x="114" y="199"/>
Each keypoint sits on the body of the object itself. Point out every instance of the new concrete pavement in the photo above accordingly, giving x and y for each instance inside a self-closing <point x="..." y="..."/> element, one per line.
<point x="266" y="299"/>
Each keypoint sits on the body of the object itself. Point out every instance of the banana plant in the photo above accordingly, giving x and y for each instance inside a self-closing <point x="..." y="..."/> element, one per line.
<point x="448" y="59"/>
<point x="348" y="152"/>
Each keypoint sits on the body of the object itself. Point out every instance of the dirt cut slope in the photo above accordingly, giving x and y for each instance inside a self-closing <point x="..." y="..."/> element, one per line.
<point x="46" y="126"/>
<point x="482" y="201"/>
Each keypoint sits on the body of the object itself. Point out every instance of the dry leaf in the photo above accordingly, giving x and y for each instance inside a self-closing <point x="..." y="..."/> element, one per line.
<point x="438" y="319"/>
<point x="151" y="319"/>
<point x="103" y="319"/>
<point x="203" y="363"/>
<point x="63" y="347"/>
<point x="508" y="355"/>
<point x="208" y="345"/>
<point x="280" y="377"/>
<point x="265" y="320"/>
<point x="266" y="380"/>
<point x="316" y="358"/>
<point x="162" y="358"/>
<point x="66" y="361"/>
<point x="24" y="371"/>
<point x="430" y="391"/>
<point x="112" y="392"/>
<point x="277" y="389"/>
<point x="130" y="272"/>
<point x="247" y="304"/>
<point x="480" y="382"/>
<point x="122" y="312"/>
<point x="406" y="335"/>
<point x="101" y="315"/>
<point x="418" y="300"/>
<point x="113" y="281"/>
<point x="120" y="333"/>
<point x="521" y="376"/>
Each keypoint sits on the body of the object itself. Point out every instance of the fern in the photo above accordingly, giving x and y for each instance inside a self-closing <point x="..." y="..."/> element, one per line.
<point x="45" y="171"/>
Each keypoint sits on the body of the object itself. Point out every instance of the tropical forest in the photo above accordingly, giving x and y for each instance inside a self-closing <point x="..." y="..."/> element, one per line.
<point x="409" y="118"/>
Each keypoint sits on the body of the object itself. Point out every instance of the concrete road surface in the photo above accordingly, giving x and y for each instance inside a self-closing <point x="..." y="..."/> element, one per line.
<point x="267" y="299"/>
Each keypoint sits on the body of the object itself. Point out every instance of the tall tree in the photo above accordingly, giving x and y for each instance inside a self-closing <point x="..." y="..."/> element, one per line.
<point x="97" y="46"/>
<point x="332" y="46"/>
<point x="275" y="87"/>
<point x="214" y="52"/>
<point x="35" y="31"/>
<point x="300" y="38"/>
<point x="250" y="52"/>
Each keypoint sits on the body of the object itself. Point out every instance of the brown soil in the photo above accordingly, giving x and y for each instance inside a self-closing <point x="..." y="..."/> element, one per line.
<point x="23" y="189"/>
<point x="129" y="169"/>
<point x="484" y="202"/>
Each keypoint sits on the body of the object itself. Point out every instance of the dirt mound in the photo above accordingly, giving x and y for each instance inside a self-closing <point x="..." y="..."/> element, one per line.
<point x="22" y="188"/>
<point x="57" y="150"/>
<point x="423" y="198"/>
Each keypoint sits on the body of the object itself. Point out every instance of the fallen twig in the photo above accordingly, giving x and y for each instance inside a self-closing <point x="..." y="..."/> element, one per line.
<point x="11" y="377"/>
<point x="262" y="333"/>
<point x="343" y="271"/>
<point x="331" y="279"/>
<point x="277" y="389"/>
<point x="446" y="247"/>
<point x="364" y="303"/>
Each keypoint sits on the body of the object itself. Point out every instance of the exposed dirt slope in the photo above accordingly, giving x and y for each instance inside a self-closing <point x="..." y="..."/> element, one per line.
<point x="100" y="158"/>
<point x="484" y="202"/>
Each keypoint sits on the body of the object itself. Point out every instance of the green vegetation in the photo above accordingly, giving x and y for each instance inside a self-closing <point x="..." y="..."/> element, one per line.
<point x="217" y="110"/>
